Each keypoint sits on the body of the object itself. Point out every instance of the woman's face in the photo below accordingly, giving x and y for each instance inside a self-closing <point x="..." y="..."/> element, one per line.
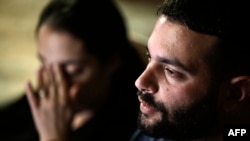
<point x="79" y="67"/>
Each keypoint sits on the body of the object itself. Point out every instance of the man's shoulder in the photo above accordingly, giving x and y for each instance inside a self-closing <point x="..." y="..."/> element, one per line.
<point x="140" y="136"/>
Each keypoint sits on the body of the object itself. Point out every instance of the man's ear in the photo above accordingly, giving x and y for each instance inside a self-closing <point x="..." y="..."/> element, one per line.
<point x="242" y="85"/>
<point x="239" y="92"/>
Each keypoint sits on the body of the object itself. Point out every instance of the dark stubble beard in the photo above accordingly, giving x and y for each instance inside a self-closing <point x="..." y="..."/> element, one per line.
<point x="198" y="121"/>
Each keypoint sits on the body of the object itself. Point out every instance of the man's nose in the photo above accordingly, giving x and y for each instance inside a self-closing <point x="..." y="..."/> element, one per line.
<point x="146" y="82"/>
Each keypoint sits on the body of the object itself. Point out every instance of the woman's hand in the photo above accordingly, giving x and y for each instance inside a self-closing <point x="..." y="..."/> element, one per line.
<point x="51" y="108"/>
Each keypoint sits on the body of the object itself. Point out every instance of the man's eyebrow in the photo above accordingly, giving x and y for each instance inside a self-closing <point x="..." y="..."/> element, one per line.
<point x="174" y="62"/>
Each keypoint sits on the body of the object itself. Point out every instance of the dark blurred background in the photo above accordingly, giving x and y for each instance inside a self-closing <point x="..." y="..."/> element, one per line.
<point x="18" y="18"/>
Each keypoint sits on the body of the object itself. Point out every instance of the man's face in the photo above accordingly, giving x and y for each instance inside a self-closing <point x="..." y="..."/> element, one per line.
<point x="79" y="67"/>
<point x="177" y="95"/>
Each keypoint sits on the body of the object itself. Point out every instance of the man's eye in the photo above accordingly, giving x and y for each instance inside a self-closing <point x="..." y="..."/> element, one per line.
<point x="173" y="73"/>
<point x="169" y="71"/>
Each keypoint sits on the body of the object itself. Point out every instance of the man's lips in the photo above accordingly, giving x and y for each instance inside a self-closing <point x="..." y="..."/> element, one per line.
<point x="145" y="107"/>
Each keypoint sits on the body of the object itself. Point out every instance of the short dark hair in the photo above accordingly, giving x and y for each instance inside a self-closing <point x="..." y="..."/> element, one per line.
<point x="98" y="23"/>
<point x="220" y="18"/>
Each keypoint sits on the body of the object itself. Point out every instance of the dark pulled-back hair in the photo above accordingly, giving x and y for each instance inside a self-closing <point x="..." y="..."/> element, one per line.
<point x="225" y="19"/>
<point x="99" y="24"/>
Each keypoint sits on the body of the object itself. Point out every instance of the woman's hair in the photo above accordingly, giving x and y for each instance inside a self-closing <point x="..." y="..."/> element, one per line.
<point x="99" y="24"/>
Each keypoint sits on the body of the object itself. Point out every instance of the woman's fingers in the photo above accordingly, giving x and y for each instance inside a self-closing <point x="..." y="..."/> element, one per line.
<point x="34" y="103"/>
<point x="51" y="112"/>
<point x="41" y="82"/>
<point x="62" y="87"/>
<point x="32" y="98"/>
<point x="52" y="84"/>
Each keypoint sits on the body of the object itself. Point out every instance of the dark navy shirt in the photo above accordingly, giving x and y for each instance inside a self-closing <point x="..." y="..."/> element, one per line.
<point x="140" y="136"/>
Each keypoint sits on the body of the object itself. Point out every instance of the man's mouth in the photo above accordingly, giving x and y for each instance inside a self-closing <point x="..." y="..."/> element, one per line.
<point x="146" y="108"/>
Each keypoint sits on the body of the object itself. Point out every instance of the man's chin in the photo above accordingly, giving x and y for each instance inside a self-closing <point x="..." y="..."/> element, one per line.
<point x="172" y="133"/>
<point x="149" y="124"/>
<point x="149" y="120"/>
<point x="161" y="127"/>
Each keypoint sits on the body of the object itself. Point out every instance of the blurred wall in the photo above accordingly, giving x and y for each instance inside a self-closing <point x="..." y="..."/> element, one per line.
<point x="17" y="46"/>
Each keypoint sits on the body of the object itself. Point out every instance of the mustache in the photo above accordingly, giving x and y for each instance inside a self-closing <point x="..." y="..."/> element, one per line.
<point x="147" y="97"/>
